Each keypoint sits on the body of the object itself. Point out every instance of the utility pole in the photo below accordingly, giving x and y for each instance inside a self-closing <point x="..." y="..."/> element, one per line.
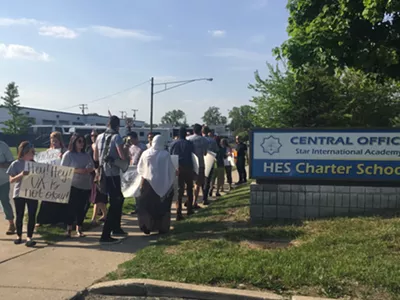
<point x="83" y="107"/>
<point x="151" y="104"/>
<point x="134" y="116"/>
<point x="123" y="114"/>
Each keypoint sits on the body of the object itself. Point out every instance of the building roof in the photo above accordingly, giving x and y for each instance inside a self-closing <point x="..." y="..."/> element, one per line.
<point x="62" y="112"/>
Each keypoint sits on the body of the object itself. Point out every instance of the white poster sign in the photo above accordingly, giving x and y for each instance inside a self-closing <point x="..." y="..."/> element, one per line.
<point x="51" y="156"/>
<point x="209" y="160"/>
<point x="128" y="180"/>
<point x="46" y="182"/>
<point x="195" y="161"/>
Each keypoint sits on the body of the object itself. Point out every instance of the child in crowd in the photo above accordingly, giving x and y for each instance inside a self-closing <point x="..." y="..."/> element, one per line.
<point x="16" y="171"/>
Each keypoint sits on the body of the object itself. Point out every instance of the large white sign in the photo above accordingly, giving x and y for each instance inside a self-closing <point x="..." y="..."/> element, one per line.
<point x="46" y="182"/>
<point x="209" y="161"/>
<point x="51" y="156"/>
<point x="323" y="145"/>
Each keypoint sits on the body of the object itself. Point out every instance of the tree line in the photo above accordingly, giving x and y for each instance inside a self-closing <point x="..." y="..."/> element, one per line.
<point x="240" y="118"/>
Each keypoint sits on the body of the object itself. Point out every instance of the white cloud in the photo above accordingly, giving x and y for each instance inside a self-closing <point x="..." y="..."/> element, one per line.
<point x="45" y="29"/>
<point x="21" y="21"/>
<point x="239" y="54"/>
<point x="58" y="32"/>
<point x="113" y="32"/>
<point x="217" y="33"/>
<point x="257" y="39"/>
<point x="13" y="51"/>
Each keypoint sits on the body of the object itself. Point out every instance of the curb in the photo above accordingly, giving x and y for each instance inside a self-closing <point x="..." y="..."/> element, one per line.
<point x="156" y="288"/>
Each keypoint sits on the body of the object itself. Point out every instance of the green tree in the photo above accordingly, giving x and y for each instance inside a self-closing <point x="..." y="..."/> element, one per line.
<point x="312" y="97"/>
<point x="241" y="118"/>
<point x="360" y="34"/>
<point x="174" y="117"/>
<point x="212" y="116"/>
<point x="18" y="122"/>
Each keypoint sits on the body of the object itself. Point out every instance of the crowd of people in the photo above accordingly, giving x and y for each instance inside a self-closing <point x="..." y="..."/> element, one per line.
<point x="97" y="161"/>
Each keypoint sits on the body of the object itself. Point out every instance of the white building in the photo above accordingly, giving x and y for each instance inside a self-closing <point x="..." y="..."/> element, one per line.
<point x="52" y="117"/>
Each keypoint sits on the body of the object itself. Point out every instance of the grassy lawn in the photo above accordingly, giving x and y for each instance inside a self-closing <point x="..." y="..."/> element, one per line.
<point x="53" y="234"/>
<point x="357" y="257"/>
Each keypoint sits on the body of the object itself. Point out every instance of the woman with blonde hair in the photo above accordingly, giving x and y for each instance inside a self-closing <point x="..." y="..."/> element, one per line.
<point x="51" y="212"/>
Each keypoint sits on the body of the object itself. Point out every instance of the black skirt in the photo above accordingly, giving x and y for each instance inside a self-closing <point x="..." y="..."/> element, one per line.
<point x="52" y="213"/>
<point x="154" y="213"/>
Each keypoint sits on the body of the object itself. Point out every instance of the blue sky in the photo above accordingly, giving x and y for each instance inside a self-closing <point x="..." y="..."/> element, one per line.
<point x="63" y="53"/>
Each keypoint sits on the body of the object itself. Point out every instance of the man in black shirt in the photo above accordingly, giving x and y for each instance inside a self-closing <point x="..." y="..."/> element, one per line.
<point x="241" y="150"/>
<point x="184" y="149"/>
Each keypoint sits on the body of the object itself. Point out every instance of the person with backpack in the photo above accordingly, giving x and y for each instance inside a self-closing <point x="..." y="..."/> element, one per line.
<point x="108" y="149"/>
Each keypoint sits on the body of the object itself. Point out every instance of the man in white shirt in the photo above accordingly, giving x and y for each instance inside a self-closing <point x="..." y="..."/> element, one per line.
<point x="6" y="159"/>
<point x="150" y="137"/>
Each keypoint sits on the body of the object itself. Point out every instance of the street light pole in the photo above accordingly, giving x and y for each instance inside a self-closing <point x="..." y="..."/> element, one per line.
<point x="166" y="88"/>
<point x="151" y="103"/>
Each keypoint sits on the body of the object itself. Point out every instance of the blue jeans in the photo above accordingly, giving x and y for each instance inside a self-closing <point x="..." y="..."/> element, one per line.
<point x="5" y="201"/>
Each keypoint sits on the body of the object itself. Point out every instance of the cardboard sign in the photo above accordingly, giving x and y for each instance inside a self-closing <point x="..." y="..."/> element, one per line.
<point x="51" y="156"/>
<point x="46" y="182"/>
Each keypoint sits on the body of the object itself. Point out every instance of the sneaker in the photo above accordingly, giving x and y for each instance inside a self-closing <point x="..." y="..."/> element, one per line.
<point x="11" y="229"/>
<point x="18" y="241"/>
<point x="217" y="195"/>
<point x="109" y="241"/>
<point x="30" y="244"/>
<point x="206" y="202"/>
<point x="119" y="232"/>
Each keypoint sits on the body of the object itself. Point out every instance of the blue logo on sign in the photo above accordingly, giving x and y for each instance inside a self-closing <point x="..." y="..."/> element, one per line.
<point x="271" y="145"/>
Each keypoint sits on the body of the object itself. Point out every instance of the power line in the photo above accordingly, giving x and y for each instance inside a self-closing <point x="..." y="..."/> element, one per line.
<point x="111" y="95"/>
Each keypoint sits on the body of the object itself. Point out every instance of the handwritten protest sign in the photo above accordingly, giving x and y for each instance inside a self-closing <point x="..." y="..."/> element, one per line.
<point x="46" y="182"/>
<point x="51" y="156"/>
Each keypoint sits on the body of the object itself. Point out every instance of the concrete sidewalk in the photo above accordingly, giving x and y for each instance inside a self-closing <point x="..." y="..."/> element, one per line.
<point x="61" y="270"/>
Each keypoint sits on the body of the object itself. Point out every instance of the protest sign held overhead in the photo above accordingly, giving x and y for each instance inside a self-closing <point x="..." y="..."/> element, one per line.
<point x="46" y="182"/>
<point x="51" y="156"/>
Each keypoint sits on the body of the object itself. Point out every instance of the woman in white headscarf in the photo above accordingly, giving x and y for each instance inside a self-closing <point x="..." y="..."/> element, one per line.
<point x="157" y="188"/>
